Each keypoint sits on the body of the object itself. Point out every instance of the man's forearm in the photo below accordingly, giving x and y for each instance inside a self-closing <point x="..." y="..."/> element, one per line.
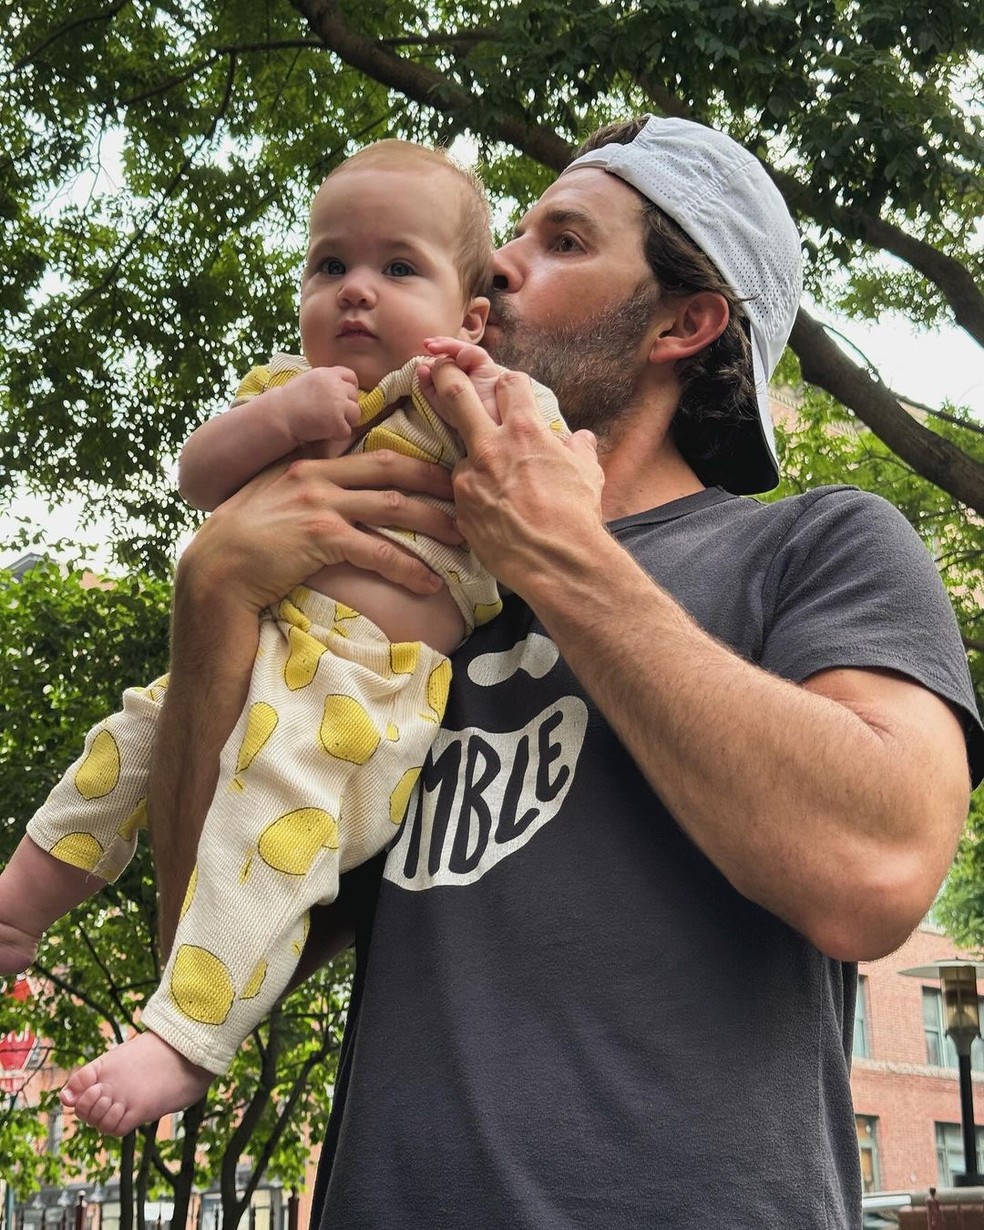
<point x="212" y="652"/>
<point x="836" y="808"/>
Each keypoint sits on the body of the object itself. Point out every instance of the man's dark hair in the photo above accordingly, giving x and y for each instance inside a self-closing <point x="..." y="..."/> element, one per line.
<point x="717" y="385"/>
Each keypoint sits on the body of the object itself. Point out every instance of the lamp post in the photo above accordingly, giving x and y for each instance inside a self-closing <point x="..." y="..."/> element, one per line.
<point x="958" y="983"/>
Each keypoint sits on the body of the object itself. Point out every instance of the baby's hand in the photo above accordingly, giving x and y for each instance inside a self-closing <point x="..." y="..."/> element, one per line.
<point x="473" y="361"/>
<point x="321" y="404"/>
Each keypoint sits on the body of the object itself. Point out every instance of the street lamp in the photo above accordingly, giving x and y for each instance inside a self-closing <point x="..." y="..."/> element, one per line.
<point x="958" y="982"/>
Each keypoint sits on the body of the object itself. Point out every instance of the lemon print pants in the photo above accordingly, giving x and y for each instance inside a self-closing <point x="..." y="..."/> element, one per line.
<point x="314" y="780"/>
<point x="92" y="816"/>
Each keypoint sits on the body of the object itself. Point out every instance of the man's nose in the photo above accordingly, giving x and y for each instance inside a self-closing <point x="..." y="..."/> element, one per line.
<point x="505" y="269"/>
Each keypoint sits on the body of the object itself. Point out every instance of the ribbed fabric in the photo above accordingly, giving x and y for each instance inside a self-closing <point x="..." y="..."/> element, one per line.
<point x="314" y="780"/>
<point x="414" y="429"/>
<point x="92" y="816"/>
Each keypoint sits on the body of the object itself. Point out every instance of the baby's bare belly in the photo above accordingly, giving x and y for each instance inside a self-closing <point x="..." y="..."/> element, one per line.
<point x="403" y="616"/>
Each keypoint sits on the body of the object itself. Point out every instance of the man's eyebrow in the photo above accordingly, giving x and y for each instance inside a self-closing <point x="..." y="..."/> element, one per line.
<point x="559" y="215"/>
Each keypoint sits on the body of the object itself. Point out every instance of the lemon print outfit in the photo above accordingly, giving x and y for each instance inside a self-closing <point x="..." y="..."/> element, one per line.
<point x="313" y="780"/>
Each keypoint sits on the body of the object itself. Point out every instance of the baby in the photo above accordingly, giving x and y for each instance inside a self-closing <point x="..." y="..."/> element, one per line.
<point x="347" y="691"/>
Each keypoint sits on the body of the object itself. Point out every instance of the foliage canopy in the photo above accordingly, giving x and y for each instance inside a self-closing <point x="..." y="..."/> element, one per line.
<point x="158" y="159"/>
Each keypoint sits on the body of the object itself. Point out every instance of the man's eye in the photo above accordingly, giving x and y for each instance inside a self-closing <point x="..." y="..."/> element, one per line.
<point x="399" y="269"/>
<point x="567" y="243"/>
<point x="332" y="266"/>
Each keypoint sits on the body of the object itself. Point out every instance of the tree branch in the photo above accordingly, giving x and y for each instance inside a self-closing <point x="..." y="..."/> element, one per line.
<point x="154" y="213"/>
<point x="217" y="53"/>
<point x="953" y="279"/>
<point x="427" y="86"/>
<point x="941" y="462"/>
<point x="106" y="15"/>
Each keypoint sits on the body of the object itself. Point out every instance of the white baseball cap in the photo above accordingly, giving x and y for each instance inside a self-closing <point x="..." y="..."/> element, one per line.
<point x="722" y="197"/>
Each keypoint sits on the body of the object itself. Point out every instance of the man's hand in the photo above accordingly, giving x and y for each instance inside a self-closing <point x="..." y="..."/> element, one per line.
<point x="477" y="364"/>
<point x="295" y="518"/>
<point x="524" y="497"/>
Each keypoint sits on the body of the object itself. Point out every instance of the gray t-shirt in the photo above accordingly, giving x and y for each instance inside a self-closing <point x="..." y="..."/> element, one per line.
<point x="567" y="1016"/>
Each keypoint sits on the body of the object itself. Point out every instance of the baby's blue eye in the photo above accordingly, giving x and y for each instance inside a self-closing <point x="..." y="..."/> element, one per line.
<point x="399" y="269"/>
<point x="332" y="265"/>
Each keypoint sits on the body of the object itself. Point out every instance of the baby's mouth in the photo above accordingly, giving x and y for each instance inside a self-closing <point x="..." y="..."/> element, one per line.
<point x="354" y="328"/>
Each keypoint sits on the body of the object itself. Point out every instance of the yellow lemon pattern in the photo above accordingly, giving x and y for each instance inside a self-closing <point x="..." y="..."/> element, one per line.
<point x="134" y="822"/>
<point x="347" y="731"/>
<point x="260" y="725"/>
<point x="201" y="985"/>
<point x="255" y="981"/>
<point x="484" y="611"/>
<point x="401" y="795"/>
<point x="291" y="613"/>
<point x="99" y="772"/>
<point x="438" y="685"/>
<point x="293" y="841"/>
<point x="302" y="661"/>
<point x="189" y="896"/>
<point x="404" y="657"/>
<point x="79" y="850"/>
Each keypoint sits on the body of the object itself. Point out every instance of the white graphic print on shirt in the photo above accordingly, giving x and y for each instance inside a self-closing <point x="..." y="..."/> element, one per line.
<point x="481" y="796"/>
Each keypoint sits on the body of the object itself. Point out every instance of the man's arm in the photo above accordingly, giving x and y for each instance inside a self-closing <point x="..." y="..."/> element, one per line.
<point x="837" y="805"/>
<point x="270" y="536"/>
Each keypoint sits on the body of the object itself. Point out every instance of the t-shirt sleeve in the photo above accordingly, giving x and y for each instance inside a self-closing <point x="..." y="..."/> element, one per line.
<point x="852" y="585"/>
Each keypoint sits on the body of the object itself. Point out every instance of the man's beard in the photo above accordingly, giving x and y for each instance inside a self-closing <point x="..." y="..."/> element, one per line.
<point x="592" y="367"/>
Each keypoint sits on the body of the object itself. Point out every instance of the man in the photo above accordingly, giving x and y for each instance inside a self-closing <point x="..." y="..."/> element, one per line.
<point x="711" y="753"/>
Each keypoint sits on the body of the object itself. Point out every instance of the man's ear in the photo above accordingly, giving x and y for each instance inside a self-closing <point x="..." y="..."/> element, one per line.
<point x="693" y="322"/>
<point x="473" y="322"/>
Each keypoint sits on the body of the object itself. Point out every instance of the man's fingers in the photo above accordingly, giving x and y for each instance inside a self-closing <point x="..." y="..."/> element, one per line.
<point x="376" y="554"/>
<point x="459" y="403"/>
<point x="584" y="442"/>
<point x="380" y="469"/>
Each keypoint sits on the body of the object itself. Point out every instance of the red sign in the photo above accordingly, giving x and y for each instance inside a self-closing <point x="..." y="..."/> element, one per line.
<point x="17" y="1047"/>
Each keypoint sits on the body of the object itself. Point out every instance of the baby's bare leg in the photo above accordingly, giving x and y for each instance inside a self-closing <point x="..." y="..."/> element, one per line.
<point x="36" y="889"/>
<point x="135" y="1083"/>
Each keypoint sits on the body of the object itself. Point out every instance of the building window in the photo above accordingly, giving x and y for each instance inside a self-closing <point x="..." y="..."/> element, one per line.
<point x="56" y="1126"/>
<point x="861" y="1045"/>
<point x="940" y="1051"/>
<point x="950" y="1152"/>
<point x="867" y="1128"/>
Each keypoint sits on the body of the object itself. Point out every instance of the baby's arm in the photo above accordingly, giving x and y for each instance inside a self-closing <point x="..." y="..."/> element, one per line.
<point x="226" y="452"/>
<point x="473" y="361"/>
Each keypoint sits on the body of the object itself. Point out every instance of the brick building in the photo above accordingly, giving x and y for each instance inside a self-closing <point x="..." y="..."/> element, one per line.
<point x="904" y="1077"/>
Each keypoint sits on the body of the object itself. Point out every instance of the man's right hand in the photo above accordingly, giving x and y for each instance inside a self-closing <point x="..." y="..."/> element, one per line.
<point x="296" y="518"/>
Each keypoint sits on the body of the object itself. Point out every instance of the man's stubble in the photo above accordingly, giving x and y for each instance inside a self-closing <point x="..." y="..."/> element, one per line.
<point x="593" y="367"/>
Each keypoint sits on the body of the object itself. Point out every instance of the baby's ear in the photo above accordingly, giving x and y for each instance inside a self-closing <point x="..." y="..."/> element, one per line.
<point x="473" y="322"/>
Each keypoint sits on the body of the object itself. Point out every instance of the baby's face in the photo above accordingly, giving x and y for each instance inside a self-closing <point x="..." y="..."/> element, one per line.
<point x="381" y="273"/>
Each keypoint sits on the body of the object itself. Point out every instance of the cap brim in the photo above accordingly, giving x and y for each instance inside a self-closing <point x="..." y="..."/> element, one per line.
<point x="763" y="474"/>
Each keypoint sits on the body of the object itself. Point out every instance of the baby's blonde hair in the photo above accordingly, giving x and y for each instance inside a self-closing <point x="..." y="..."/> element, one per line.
<point x="474" y="259"/>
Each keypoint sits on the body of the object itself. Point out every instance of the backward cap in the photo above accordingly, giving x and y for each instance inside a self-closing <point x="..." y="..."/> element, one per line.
<point x="721" y="195"/>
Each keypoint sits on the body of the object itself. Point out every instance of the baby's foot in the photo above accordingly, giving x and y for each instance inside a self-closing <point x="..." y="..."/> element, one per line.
<point x="17" y="948"/>
<point x="135" y="1083"/>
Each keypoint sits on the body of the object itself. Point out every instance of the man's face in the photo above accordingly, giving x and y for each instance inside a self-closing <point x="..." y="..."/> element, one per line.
<point x="576" y="298"/>
<point x="381" y="273"/>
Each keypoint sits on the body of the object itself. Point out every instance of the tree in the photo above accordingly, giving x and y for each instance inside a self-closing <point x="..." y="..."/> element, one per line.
<point x="131" y="300"/>
<point x="64" y="650"/>
<point x="133" y="296"/>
